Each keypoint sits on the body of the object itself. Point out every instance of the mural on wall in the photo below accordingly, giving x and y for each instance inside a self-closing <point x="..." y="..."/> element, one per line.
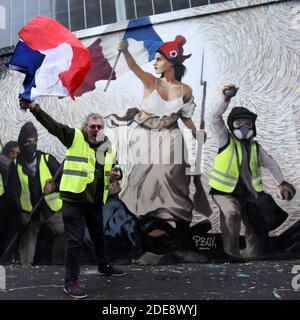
<point x="257" y="49"/>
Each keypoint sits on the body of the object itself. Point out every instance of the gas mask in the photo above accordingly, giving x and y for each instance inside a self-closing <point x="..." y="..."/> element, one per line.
<point x="243" y="129"/>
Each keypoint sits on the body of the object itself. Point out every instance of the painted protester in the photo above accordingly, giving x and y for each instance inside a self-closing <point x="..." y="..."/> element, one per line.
<point x="157" y="189"/>
<point x="236" y="179"/>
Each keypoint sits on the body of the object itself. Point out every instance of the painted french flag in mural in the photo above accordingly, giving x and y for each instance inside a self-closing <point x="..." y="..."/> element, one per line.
<point x="142" y="31"/>
<point x="54" y="61"/>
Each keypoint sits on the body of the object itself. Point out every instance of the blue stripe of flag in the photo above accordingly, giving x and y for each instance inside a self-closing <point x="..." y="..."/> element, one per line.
<point x="27" y="61"/>
<point x="141" y="29"/>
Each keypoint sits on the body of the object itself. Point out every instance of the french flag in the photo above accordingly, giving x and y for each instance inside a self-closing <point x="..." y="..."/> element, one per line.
<point x="54" y="61"/>
<point x="141" y="30"/>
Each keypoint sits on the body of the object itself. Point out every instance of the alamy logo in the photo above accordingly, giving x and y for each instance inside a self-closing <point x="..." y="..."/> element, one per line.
<point x="2" y="17"/>
<point x="2" y="278"/>
<point x="296" y="278"/>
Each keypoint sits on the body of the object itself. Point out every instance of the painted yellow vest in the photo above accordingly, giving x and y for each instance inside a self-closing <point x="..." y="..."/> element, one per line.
<point x="53" y="201"/>
<point x="1" y="185"/>
<point x="79" y="166"/>
<point x="225" y="173"/>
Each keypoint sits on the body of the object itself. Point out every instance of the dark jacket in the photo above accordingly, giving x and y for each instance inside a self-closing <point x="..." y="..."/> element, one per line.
<point x="94" y="191"/>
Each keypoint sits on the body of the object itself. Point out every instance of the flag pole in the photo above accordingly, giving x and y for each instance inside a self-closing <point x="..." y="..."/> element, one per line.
<point x="200" y="200"/>
<point x="112" y="71"/>
<point x="200" y="136"/>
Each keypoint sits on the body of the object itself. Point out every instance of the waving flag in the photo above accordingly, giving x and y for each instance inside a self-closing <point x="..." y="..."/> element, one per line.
<point x="141" y="30"/>
<point x="54" y="60"/>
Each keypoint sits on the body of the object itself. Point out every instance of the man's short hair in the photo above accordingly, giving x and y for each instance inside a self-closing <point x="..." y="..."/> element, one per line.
<point x="91" y="116"/>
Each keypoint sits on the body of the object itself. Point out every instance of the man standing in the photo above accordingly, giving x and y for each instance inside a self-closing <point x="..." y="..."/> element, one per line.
<point x="30" y="178"/>
<point x="236" y="176"/>
<point x="84" y="189"/>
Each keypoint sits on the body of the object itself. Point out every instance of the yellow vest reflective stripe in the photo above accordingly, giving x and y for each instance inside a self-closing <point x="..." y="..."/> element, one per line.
<point x="52" y="199"/>
<point x="25" y="193"/>
<point x="255" y="170"/>
<point x="225" y="173"/>
<point x="109" y="159"/>
<point x="1" y="185"/>
<point x="79" y="165"/>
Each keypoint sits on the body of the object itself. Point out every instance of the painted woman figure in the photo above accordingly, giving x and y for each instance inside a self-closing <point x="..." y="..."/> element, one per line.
<point x="157" y="189"/>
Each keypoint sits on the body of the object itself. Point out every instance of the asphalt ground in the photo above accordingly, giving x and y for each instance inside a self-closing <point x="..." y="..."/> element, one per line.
<point x="257" y="280"/>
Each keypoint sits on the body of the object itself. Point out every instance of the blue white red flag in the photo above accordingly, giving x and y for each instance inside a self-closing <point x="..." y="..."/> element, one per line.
<point x="103" y="56"/>
<point x="142" y="30"/>
<point x="54" y="61"/>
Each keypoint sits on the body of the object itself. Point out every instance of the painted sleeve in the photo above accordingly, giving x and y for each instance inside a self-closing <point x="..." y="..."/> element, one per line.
<point x="217" y="124"/>
<point x="187" y="110"/>
<point x="266" y="161"/>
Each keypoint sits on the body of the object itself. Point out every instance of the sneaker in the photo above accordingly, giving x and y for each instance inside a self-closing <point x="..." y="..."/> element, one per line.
<point x="72" y="288"/>
<point x="109" y="270"/>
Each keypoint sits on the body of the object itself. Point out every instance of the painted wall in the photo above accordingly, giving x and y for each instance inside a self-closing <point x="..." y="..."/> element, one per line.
<point x="256" y="48"/>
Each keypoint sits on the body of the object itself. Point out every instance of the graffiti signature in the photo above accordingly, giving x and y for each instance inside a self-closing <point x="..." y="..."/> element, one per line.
<point x="204" y="242"/>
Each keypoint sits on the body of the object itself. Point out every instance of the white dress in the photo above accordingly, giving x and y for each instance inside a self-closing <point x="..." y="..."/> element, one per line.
<point x="159" y="187"/>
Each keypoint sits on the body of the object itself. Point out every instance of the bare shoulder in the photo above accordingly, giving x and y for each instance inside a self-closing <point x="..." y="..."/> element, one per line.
<point x="149" y="81"/>
<point x="149" y="84"/>
<point x="187" y="92"/>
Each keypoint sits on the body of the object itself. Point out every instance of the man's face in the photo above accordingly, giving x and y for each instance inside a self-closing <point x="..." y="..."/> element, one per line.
<point x="93" y="128"/>
<point x="28" y="149"/>
<point x="30" y="141"/>
<point x="13" y="153"/>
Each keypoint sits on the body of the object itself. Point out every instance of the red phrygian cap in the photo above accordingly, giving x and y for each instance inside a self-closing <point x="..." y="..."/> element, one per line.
<point x="173" y="50"/>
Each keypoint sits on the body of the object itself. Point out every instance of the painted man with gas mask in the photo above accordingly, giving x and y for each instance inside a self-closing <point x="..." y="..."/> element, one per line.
<point x="30" y="178"/>
<point x="236" y="178"/>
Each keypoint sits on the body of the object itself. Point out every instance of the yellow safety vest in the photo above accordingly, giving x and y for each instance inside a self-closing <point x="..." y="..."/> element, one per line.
<point x="226" y="170"/>
<point x="79" y="166"/>
<point x="53" y="201"/>
<point x="1" y="185"/>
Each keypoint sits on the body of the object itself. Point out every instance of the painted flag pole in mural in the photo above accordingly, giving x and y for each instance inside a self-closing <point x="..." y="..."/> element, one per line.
<point x="140" y="29"/>
<point x="201" y="132"/>
<point x="201" y="203"/>
<point x="112" y="71"/>
<point x="54" y="61"/>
